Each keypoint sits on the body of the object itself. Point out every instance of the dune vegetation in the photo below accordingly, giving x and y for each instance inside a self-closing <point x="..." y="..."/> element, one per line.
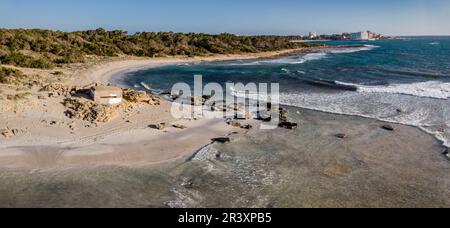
<point x="46" y="49"/>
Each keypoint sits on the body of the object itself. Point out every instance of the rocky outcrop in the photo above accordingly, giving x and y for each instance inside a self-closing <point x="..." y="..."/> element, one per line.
<point x="140" y="97"/>
<point x="56" y="90"/>
<point x="87" y="110"/>
<point x="221" y="140"/>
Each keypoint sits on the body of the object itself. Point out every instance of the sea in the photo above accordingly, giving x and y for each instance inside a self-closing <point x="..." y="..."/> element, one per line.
<point x="405" y="81"/>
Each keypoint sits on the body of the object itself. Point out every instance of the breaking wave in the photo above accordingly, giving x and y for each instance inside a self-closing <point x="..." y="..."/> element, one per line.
<point x="308" y="57"/>
<point x="430" y="89"/>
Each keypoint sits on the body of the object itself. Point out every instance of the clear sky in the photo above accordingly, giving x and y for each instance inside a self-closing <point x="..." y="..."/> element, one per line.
<point x="390" y="17"/>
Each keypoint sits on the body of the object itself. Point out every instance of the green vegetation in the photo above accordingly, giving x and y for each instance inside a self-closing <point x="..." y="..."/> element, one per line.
<point x="45" y="48"/>
<point x="10" y="76"/>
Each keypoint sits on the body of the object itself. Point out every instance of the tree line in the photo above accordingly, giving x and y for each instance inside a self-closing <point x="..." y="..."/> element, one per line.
<point x="46" y="49"/>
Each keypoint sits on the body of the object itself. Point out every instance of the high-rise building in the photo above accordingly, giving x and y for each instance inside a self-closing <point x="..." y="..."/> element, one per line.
<point x="361" y="35"/>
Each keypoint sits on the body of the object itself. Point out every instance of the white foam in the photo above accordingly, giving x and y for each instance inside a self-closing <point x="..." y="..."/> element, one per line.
<point x="431" y="89"/>
<point x="424" y="113"/>
<point x="308" y="57"/>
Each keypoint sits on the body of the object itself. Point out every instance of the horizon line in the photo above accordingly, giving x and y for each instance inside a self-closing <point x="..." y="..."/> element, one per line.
<point x="238" y="34"/>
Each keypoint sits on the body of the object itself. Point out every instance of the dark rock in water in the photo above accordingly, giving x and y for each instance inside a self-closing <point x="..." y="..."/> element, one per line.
<point x="247" y="126"/>
<point x="399" y="110"/>
<point x="341" y="136"/>
<point x="446" y="153"/>
<point x="160" y="126"/>
<point x="388" y="127"/>
<point x="206" y="97"/>
<point x="263" y="116"/>
<point x="221" y="140"/>
<point x="179" y="126"/>
<point x="288" y="125"/>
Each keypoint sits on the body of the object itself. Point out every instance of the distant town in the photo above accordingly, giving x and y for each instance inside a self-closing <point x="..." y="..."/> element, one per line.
<point x="363" y="35"/>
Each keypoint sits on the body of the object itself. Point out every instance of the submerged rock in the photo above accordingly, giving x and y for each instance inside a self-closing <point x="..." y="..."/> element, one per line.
<point x="221" y="139"/>
<point x="179" y="126"/>
<point x="288" y="125"/>
<point x="388" y="127"/>
<point x="341" y="136"/>
<point x="446" y="153"/>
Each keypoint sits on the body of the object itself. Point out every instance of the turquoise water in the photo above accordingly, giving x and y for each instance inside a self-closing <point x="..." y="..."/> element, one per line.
<point x="404" y="81"/>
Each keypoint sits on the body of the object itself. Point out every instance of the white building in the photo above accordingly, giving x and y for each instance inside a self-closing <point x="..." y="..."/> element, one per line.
<point x="312" y="35"/>
<point x="360" y="36"/>
<point x="106" y="95"/>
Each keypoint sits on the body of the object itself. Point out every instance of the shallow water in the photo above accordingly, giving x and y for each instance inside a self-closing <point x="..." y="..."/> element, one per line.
<point x="307" y="167"/>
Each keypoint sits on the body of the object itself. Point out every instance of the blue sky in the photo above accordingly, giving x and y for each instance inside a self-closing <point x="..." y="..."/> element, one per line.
<point x="391" y="17"/>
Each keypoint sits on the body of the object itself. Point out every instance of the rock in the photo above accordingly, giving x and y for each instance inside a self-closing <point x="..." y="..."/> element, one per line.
<point x="53" y="122"/>
<point x="221" y="140"/>
<point x="56" y="90"/>
<point x="288" y="125"/>
<point x="160" y="126"/>
<point x="179" y="126"/>
<point x="193" y="184"/>
<point x="41" y="97"/>
<point x="234" y="123"/>
<point x="284" y="115"/>
<point x="197" y="101"/>
<point x="399" y="110"/>
<point x="247" y="126"/>
<point x="139" y="97"/>
<point x="388" y="127"/>
<point x="341" y="136"/>
<point x="446" y="153"/>
<point x="263" y="116"/>
<point x="84" y="109"/>
<point x="7" y="132"/>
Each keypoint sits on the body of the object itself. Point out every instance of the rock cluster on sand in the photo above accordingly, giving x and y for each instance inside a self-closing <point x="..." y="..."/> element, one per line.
<point x="83" y="109"/>
<point x="139" y="97"/>
<point x="8" y="132"/>
<point x="284" y="120"/>
<point x="56" y="90"/>
<point x="161" y="126"/>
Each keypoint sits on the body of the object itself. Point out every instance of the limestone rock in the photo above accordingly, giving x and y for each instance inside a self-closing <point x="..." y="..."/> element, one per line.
<point x="139" y="97"/>
<point x="87" y="110"/>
